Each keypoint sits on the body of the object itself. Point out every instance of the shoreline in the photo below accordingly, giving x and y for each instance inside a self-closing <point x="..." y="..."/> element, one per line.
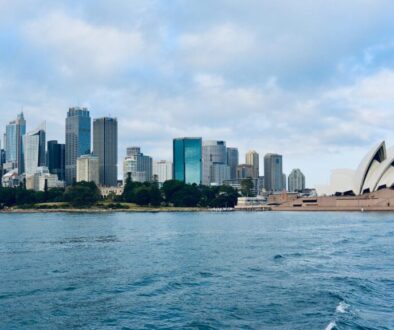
<point x="96" y="210"/>
<point x="193" y="210"/>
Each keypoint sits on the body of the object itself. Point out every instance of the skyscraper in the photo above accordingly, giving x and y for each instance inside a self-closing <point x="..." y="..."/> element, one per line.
<point x="187" y="159"/>
<point x="15" y="131"/>
<point x="233" y="162"/>
<point x="34" y="150"/>
<point x="137" y="165"/>
<point x="296" y="181"/>
<point x="78" y="130"/>
<point x="214" y="154"/>
<point x="244" y="171"/>
<point x="252" y="158"/>
<point x="105" y="147"/>
<point x="55" y="159"/>
<point x="88" y="169"/>
<point x="273" y="173"/>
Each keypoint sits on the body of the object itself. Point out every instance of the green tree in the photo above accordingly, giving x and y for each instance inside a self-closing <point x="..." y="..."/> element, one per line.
<point x="170" y="188"/>
<point x="246" y="187"/>
<point x="155" y="196"/>
<point x="82" y="194"/>
<point x="142" y="196"/>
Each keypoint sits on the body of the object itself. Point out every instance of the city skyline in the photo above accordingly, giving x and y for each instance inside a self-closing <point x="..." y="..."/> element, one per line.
<point x="169" y="76"/>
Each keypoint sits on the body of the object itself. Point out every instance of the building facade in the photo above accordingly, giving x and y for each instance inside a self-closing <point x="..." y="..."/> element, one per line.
<point x="244" y="171"/>
<point x="219" y="174"/>
<point x="252" y="158"/>
<point x="56" y="159"/>
<point x="88" y="169"/>
<point x="78" y="140"/>
<point x="214" y="153"/>
<point x="187" y="159"/>
<point x="137" y="165"/>
<point x="233" y="162"/>
<point x="15" y="131"/>
<point x="162" y="171"/>
<point x="42" y="180"/>
<point x="34" y="150"/>
<point x="105" y="147"/>
<point x="296" y="181"/>
<point x="273" y="173"/>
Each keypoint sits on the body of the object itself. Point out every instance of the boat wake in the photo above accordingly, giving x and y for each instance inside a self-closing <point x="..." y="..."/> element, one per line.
<point x="331" y="326"/>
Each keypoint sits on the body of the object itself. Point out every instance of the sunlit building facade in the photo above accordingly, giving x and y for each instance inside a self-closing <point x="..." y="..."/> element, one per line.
<point x="187" y="160"/>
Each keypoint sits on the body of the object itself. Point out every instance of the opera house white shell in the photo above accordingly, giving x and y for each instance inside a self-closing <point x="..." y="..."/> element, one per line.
<point x="375" y="172"/>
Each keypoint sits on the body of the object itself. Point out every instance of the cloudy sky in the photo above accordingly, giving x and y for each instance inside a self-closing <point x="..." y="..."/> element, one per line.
<point x="311" y="79"/>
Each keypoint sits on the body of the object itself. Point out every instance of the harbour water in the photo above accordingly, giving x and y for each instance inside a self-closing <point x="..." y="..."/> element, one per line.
<point x="197" y="271"/>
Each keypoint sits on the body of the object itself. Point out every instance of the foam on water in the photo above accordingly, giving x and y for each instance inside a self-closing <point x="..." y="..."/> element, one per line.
<point x="342" y="307"/>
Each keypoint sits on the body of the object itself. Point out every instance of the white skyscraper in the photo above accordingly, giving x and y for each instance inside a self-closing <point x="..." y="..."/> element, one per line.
<point x="88" y="169"/>
<point x="162" y="170"/>
<point x="296" y="180"/>
<point x="34" y="150"/>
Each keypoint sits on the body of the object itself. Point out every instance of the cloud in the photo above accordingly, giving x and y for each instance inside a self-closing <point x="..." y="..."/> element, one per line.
<point x="78" y="47"/>
<point x="217" y="46"/>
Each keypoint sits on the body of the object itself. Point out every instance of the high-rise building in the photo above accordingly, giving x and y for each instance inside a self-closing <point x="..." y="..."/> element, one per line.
<point x="78" y="131"/>
<point x="162" y="170"/>
<point x="2" y="156"/>
<point x="252" y="158"/>
<point x="219" y="173"/>
<point x="15" y="131"/>
<point x="233" y="162"/>
<point x="56" y="159"/>
<point x="187" y="159"/>
<point x="88" y="169"/>
<point x="34" y="150"/>
<point x="244" y="171"/>
<point x="214" y="153"/>
<point x="137" y="165"/>
<point x="273" y="173"/>
<point x="296" y="181"/>
<point x="105" y="147"/>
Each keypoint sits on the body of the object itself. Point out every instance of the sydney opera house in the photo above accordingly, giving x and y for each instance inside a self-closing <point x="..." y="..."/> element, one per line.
<point x="375" y="172"/>
<point x="368" y="188"/>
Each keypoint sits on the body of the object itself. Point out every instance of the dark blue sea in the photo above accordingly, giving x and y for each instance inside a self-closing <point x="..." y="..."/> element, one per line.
<point x="197" y="271"/>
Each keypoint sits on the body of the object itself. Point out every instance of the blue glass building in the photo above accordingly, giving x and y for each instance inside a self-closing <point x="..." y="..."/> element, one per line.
<point x="15" y="131"/>
<point x="78" y="140"/>
<point x="187" y="158"/>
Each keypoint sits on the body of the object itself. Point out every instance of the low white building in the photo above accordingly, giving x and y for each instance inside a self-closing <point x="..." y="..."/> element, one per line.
<point x="106" y="191"/>
<point x="11" y="179"/>
<point x="42" y="178"/>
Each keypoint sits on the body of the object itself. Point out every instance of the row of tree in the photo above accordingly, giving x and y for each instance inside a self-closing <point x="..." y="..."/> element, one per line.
<point x="172" y="193"/>
<point x="178" y="194"/>
<point x="81" y="194"/>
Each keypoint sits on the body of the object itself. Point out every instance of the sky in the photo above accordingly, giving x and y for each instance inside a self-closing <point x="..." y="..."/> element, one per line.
<point x="312" y="80"/>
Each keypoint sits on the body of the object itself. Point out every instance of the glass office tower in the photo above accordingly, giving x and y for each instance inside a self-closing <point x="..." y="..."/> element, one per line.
<point x="34" y="150"/>
<point x="78" y="131"/>
<point x="105" y="147"/>
<point x="187" y="160"/>
<point x="15" y="131"/>
<point x="273" y="173"/>
<point x="55" y="159"/>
